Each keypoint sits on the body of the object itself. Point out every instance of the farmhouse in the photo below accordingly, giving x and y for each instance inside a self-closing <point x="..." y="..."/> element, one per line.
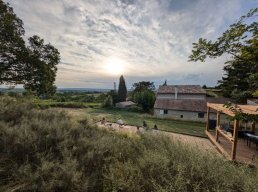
<point x="185" y="102"/>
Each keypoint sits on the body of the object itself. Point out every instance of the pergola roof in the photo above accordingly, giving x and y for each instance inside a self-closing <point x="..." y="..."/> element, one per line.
<point x="248" y="109"/>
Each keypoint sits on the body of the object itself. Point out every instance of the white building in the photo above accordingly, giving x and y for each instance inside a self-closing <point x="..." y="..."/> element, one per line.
<point x="185" y="102"/>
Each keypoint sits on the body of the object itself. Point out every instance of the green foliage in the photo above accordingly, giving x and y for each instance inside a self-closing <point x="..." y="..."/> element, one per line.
<point x="240" y="115"/>
<point x="145" y="99"/>
<point x="114" y="96"/>
<point x="135" y="116"/>
<point x="108" y="102"/>
<point x="46" y="151"/>
<point x="33" y="66"/>
<point x="44" y="59"/>
<point x="12" y="46"/>
<point x="78" y="97"/>
<point x="240" y="41"/>
<point x="122" y="91"/>
<point x="143" y="85"/>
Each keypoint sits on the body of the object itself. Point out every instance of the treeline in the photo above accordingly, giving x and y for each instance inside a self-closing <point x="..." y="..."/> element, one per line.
<point x="29" y="62"/>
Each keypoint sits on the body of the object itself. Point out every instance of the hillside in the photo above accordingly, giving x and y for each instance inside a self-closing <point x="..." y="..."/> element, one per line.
<point x="47" y="150"/>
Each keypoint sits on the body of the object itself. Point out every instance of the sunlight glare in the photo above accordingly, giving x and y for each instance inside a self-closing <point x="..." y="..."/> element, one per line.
<point x="115" y="66"/>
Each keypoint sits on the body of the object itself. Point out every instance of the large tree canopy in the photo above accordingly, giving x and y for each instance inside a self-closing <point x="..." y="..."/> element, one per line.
<point x="43" y="60"/>
<point x="34" y="65"/>
<point x="12" y="46"/>
<point x="143" y="85"/>
<point x="241" y="42"/>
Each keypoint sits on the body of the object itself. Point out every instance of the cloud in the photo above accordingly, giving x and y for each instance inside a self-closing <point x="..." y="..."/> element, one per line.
<point x="153" y="38"/>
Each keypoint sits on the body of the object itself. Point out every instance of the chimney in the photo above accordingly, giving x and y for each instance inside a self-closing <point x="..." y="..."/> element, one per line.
<point x="175" y="93"/>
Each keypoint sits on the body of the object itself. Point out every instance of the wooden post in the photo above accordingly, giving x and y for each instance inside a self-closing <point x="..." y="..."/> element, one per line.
<point x="218" y="118"/>
<point x="208" y="119"/>
<point x="253" y="127"/>
<point x="234" y="145"/>
<point x="217" y="125"/>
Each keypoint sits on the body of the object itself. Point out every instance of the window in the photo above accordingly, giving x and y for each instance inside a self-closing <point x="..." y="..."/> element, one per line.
<point x="181" y="116"/>
<point x="161" y="112"/>
<point x="165" y="111"/>
<point x="200" y="115"/>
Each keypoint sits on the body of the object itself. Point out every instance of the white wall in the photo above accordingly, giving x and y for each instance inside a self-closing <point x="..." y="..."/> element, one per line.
<point x="189" y="116"/>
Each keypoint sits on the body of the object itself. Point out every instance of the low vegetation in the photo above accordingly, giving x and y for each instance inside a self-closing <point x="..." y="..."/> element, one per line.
<point x="136" y="117"/>
<point x="44" y="150"/>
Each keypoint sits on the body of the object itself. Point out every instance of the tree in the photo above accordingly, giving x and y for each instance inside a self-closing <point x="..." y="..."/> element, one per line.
<point x="241" y="42"/>
<point x="34" y="66"/>
<point x="143" y="85"/>
<point x="43" y="59"/>
<point x="114" y="96"/>
<point x="122" y="91"/>
<point x="12" y="46"/>
<point x="145" y="99"/>
<point x="108" y="102"/>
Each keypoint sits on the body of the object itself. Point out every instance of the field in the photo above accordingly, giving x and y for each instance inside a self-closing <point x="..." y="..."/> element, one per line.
<point x="136" y="118"/>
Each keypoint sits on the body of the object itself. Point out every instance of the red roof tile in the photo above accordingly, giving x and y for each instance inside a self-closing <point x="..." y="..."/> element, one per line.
<point x="185" y="89"/>
<point x="196" y="105"/>
<point x="181" y="105"/>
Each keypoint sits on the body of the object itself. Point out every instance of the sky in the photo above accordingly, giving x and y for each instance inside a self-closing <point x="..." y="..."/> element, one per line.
<point x="99" y="40"/>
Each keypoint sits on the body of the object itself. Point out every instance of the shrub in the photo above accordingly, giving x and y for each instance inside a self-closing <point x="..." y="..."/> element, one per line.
<point x="108" y="102"/>
<point x="43" y="150"/>
<point x="145" y="99"/>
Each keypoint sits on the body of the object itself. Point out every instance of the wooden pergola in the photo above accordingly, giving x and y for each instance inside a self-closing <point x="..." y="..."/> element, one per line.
<point x="248" y="109"/>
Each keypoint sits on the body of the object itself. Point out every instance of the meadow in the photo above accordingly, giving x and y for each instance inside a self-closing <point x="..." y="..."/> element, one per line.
<point x="74" y="103"/>
<point x="46" y="150"/>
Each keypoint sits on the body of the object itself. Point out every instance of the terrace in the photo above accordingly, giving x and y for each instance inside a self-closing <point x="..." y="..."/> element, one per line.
<point x="228" y="143"/>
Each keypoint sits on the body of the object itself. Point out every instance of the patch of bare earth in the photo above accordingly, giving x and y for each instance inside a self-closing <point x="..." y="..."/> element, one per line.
<point x="201" y="143"/>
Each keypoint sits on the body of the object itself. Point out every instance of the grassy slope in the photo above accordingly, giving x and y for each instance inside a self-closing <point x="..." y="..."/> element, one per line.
<point x="134" y="118"/>
<point x="43" y="150"/>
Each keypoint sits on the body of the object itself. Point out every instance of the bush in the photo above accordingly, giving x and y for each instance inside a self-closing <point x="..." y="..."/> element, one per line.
<point x="46" y="151"/>
<point x="108" y="102"/>
<point x="145" y="99"/>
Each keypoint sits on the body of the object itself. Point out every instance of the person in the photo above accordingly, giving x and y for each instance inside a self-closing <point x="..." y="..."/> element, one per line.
<point x="145" y="124"/>
<point x="103" y="121"/>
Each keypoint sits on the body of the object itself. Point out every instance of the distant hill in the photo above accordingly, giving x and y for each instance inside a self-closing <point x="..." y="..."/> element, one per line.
<point x="87" y="90"/>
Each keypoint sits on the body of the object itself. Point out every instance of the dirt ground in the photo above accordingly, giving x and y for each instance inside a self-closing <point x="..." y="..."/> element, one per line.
<point x="201" y="143"/>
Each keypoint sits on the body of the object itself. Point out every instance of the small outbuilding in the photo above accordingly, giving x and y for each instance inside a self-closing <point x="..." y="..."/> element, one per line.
<point x="125" y="104"/>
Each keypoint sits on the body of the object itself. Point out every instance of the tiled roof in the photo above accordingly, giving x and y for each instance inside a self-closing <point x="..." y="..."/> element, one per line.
<point x="181" y="105"/>
<point x="196" y="105"/>
<point x="186" y="89"/>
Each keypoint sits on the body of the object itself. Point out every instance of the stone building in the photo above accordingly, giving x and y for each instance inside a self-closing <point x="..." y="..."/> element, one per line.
<point x="184" y="102"/>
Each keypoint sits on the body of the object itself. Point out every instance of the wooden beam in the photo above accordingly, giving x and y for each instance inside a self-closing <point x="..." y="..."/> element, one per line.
<point x="208" y="119"/>
<point x="235" y="135"/>
<point x="218" y="146"/>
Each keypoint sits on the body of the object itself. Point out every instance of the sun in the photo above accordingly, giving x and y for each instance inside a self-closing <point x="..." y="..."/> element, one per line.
<point x="115" y="66"/>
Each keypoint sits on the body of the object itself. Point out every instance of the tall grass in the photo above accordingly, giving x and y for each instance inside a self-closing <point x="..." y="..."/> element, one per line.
<point x="43" y="150"/>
